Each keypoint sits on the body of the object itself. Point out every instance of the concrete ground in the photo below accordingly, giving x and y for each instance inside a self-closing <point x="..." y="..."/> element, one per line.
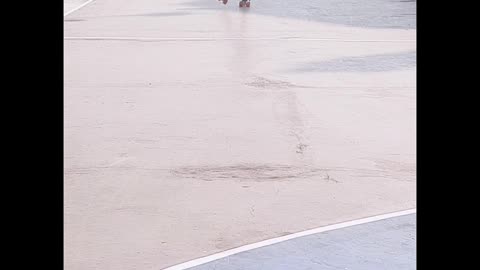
<point x="193" y="127"/>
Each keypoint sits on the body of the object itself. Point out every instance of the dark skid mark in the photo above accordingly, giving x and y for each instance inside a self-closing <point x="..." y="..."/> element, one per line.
<point x="301" y="148"/>
<point x="372" y="63"/>
<point x="250" y="172"/>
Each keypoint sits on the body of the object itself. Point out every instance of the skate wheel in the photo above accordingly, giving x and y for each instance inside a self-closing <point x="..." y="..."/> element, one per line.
<point x="247" y="4"/>
<point x="240" y="4"/>
<point x="225" y="2"/>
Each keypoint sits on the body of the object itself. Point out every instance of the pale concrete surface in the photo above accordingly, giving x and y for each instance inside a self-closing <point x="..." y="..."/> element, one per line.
<point x="386" y="244"/>
<point x="182" y="148"/>
<point x="69" y="5"/>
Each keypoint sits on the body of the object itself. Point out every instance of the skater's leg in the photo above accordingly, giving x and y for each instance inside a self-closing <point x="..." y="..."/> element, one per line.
<point x="244" y="3"/>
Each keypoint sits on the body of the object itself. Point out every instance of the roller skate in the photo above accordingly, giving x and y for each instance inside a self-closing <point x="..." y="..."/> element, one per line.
<point x="244" y="3"/>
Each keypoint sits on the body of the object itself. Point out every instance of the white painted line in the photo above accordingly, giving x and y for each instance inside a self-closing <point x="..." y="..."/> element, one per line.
<point x="272" y="241"/>
<point x="227" y="38"/>
<point x="77" y="8"/>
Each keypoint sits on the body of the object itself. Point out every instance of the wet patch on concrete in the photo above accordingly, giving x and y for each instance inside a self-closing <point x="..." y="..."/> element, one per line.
<point x="251" y="172"/>
<point x="371" y="63"/>
<point x="357" y="13"/>
<point x="384" y="244"/>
